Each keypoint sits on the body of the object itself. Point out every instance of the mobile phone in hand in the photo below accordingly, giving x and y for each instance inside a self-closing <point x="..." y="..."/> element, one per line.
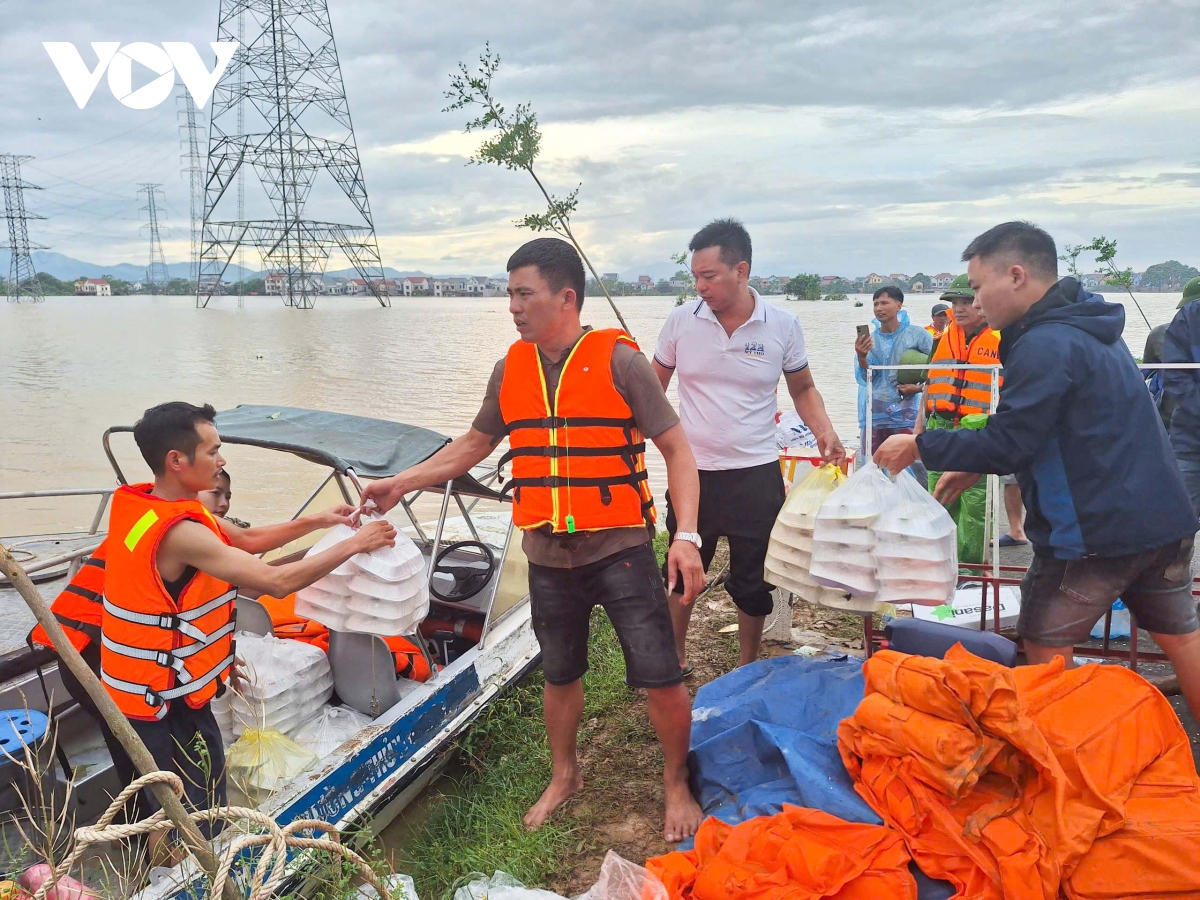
<point x="863" y="330"/>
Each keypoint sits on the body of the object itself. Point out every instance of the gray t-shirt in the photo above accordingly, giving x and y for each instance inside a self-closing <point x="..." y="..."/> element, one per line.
<point x="636" y="382"/>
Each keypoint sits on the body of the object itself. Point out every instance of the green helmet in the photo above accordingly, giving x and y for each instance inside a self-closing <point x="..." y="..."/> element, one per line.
<point x="1191" y="291"/>
<point x="960" y="282"/>
<point x="912" y="357"/>
<point x="958" y="293"/>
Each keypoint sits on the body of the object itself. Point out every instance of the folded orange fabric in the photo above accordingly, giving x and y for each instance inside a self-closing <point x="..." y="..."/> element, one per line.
<point x="798" y="854"/>
<point x="1016" y="784"/>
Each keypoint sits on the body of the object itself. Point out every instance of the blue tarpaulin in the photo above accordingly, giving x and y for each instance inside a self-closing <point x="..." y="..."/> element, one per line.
<point x="766" y="734"/>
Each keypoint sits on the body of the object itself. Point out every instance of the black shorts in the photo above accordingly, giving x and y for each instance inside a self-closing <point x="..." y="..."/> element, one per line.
<point x="628" y="586"/>
<point x="187" y="741"/>
<point x="739" y="505"/>
<point x="1062" y="599"/>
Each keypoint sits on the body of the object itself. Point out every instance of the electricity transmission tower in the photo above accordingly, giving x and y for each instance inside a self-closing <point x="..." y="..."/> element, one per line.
<point x="287" y="75"/>
<point x="156" y="270"/>
<point x="22" y="276"/>
<point x="194" y="170"/>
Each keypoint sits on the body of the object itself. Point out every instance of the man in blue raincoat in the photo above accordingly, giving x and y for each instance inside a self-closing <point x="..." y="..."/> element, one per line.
<point x="894" y="406"/>
<point x="1107" y="511"/>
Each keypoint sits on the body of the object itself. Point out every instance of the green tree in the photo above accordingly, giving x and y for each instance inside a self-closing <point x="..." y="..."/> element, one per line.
<point x="1169" y="274"/>
<point x="1106" y="254"/>
<point x="803" y="287"/>
<point x="516" y="146"/>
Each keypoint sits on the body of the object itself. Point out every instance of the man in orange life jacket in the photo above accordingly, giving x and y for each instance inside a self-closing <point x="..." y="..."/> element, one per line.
<point x="167" y="627"/>
<point x="578" y="405"/>
<point x="79" y="607"/>
<point x="953" y="393"/>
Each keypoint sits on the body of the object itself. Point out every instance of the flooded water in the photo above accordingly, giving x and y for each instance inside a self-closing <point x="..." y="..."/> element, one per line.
<point x="73" y="366"/>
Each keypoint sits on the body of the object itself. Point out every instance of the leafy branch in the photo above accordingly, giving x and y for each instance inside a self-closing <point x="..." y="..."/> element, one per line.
<point x="1106" y="254"/>
<point x="515" y="145"/>
<point x="688" y="292"/>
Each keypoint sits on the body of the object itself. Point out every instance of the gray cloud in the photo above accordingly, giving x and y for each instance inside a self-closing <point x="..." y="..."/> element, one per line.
<point x="881" y="135"/>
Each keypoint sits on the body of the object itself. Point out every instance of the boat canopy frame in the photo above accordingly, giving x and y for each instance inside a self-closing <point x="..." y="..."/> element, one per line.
<point x="353" y="447"/>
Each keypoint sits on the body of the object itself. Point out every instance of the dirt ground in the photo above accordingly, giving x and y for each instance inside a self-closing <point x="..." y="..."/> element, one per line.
<point x="621" y="803"/>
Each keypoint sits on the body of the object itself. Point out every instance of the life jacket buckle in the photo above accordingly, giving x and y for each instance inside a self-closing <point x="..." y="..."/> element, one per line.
<point x="168" y="621"/>
<point x="164" y="659"/>
<point x="152" y="699"/>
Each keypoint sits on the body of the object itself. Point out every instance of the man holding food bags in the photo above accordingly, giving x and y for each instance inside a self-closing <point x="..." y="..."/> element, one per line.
<point x="1077" y="426"/>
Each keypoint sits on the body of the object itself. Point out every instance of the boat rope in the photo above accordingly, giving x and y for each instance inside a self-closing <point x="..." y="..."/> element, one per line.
<point x="276" y="840"/>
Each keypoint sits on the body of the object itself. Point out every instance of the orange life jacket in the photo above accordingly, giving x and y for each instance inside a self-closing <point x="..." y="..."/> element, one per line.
<point x="77" y="607"/>
<point x="934" y="332"/>
<point x="578" y="457"/>
<point x="958" y="392"/>
<point x="410" y="661"/>
<point x="155" y="649"/>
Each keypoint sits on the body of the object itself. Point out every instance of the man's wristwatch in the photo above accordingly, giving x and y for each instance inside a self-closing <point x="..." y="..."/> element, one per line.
<point x="690" y="536"/>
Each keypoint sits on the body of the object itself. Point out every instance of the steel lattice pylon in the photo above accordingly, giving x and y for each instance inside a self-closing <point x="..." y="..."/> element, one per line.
<point x="287" y="72"/>
<point x="22" y="276"/>
<point x="156" y="269"/>
<point x="194" y="170"/>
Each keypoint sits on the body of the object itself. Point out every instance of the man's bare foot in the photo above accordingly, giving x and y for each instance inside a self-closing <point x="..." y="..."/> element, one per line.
<point x="683" y="813"/>
<point x="556" y="794"/>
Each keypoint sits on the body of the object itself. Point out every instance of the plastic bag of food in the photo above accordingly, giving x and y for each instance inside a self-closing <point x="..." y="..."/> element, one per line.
<point x="620" y="879"/>
<point x="286" y="683"/>
<point x="333" y="726"/>
<point x="262" y="761"/>
<point x="501" y="886"/>
<point x="789" y="551"/>
<point x="916" y="547"/>
<point x="843" y="541"/>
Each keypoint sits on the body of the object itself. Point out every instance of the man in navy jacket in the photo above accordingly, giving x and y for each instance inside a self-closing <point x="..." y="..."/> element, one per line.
<point x="1108" y="514"/>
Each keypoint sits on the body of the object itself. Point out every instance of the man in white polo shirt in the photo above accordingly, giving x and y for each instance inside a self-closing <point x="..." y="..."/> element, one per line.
<point x="730" y="348"/>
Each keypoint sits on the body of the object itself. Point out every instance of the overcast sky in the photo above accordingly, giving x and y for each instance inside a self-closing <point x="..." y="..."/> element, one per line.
<point x="849" y="138"/>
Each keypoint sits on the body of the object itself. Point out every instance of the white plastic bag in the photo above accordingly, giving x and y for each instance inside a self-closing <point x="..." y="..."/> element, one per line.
<point x="332" y="727"/>
<point x="789" y="551"/>
<point x="620" y="879"/>
<point x="502" y="886"/>
<point x="916" y="547"/>
<point x="384" y="592"/>
<point x="843" y="541"/>
<point x="286" y="683"/>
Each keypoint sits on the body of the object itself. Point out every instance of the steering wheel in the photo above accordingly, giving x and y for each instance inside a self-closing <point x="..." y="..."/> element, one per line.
<point x="469" y="579"/>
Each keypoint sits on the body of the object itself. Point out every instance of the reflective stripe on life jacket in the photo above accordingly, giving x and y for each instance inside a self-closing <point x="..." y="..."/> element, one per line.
<point x="577" y="457"/>
<point x="77" y="607"/>
<point x="154" y="648"/>
<point x="958" y="392"/>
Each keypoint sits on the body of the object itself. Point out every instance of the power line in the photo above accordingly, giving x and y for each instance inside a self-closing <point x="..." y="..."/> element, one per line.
<point x="22" y="276"/>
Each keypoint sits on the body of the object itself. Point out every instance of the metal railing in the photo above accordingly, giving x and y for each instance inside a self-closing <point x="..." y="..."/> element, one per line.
<point x="71" y="556"/>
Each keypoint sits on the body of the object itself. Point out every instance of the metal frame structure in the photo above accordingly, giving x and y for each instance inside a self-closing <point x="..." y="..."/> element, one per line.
<point x="287" y="68"/>
<point x="194" y="171"/>
<point x="157" y="275"/>
<point x="22" y="276"/>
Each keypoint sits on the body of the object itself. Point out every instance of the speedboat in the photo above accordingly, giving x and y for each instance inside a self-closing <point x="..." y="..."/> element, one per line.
<point x="480" y="643"/>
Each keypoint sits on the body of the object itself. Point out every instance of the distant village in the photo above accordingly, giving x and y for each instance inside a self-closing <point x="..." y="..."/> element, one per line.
<point x="1167" y="276"/>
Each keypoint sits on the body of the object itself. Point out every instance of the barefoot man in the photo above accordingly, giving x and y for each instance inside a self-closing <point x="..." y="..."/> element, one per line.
<point x="577" y="406"/>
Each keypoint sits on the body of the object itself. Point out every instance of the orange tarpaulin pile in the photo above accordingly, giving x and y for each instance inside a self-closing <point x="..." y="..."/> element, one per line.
<point x="1021" y="783"/>
<point x="798" y="854"/>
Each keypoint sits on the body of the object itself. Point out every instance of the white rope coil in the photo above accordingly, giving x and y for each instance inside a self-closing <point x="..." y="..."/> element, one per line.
<point x="274" y="839"/>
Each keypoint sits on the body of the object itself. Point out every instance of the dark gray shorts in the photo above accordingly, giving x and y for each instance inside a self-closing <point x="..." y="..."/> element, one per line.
<point x="1062" y="599"/>
<point x="629" y="587"/>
